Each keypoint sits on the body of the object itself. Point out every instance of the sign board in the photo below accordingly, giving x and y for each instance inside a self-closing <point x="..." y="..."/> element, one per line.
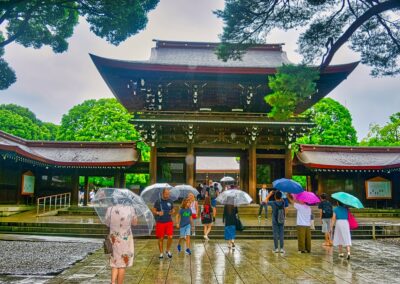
<point x="28" y="183"/>
<point x="378" y="188"/>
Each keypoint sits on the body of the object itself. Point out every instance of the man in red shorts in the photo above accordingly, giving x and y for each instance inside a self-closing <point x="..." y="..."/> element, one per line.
<point x="163" y="209"/>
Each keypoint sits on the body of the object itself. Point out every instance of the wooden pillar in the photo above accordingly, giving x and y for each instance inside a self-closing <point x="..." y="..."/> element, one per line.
<point x="243" y="172"/>
<point x="117" y="179"/>
<point x="253" y="171"/>
<point x="75" y="189"/>
<point x="288" y="164"/>
<point x="86" y="189"/>
<point x="153" y="164"/>
<point x="122" y="180"/>
<point x="190" y="162"/>
<point x="20" y="197"/>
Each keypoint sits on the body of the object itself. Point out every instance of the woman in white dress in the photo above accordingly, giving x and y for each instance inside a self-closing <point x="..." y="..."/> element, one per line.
<point x="342" y="236"/>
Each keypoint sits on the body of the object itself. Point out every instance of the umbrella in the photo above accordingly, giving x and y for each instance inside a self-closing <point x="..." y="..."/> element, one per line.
<point x="307" y="197"/>
<point x="347" y="199"/>
<point x="287" y="185"/>
<point x="218" y="185"/>
<point x="153" y="192"/>
<point x="234" y="197"/>
<point x="227" y="179"/>
<point x="184" y="190"/>
<point x="109" y="197"/>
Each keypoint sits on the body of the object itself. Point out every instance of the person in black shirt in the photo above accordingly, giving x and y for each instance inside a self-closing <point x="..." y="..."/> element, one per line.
<point x="229" y="218"/>
<point x="326" y="213"/>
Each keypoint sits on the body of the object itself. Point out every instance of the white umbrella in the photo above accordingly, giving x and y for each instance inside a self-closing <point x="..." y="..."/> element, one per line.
<point x="234" y="197"/>
<point x="185" y="189"/>
<point x="227" y="179"/>
<point x="108" y="197"/>
<point x="153" y="192"/>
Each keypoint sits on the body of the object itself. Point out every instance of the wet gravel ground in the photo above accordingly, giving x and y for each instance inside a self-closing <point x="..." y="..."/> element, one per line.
<point x="394" y="241"/>
<point x="41" y="258"/>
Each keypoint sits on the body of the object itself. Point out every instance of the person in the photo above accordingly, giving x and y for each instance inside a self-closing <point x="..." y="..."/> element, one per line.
<point x="119" y="218"/>
<point x="91" y="195"/>
<point x="194" y="207"/>
<point x="184" y="222"/>
<point x="325" y="214"/>
<point x="163" y="210"/>
<point x="342" y="235"/>
<point x="262" y="195"/>
<point x="81" y="195"/>
<point x="213" y="191"/>
<point x="303" y="223"/>
<point x="200" y="191"/>
<point x="229" y="219"/>
<point x="207" y="217"/>
<point x="278" y="219"/>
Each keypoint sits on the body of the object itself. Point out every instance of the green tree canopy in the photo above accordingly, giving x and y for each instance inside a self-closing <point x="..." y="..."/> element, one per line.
<point x="333" y="125"/>
<point x="35" y="23"/>
<point x="23" y="123"/>
<point x="290" y="85"/>
<point x="370" y="27"/>
<point x="387" y="135"/>
<point x="100" y="120"/>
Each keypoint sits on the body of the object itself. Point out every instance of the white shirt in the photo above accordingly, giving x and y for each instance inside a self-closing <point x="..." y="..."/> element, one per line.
<point x="303" y="214"/>
<point x="263" y="194"/>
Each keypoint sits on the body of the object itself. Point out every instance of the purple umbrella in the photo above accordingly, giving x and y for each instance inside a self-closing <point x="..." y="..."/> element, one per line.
<point x="307" y="197"/>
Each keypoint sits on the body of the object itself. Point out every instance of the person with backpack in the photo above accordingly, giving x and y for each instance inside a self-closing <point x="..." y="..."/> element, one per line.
<point x="326" y="213"/>
<point x="278" y="219"/>
<point x="206" y="216"/>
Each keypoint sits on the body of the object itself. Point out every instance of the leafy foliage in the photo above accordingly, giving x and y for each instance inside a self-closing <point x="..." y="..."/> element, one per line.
<point x="387" y="135"/>
<point x="23" y="123"/>
<point x="38" y="23"/>
<point x="370" y="27"/>
<point x="333" y="125"/>
<point x="301" y="179"/>
<point x="290" y="85"/>
<point x="101" y="120"/>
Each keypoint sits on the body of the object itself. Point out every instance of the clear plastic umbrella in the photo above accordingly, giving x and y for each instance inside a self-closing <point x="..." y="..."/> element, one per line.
<point x="227" y="179"/>
<point x="153" y="192"/>
<point x="107" y="197"/>
<point x="234" y="197"/>
<point x="185" y="189"/>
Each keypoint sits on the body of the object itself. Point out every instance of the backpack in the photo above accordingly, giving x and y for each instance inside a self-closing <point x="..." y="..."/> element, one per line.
<point x="206" y="213"/>
<point x="280" y="216"/>
<point x="212" y="192"/>
<point x="327" y="210"/>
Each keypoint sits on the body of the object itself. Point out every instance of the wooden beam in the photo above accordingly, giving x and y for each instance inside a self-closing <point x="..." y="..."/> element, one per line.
<point x="288" y="164"/>
<point x="75" y="189"/>
<point x="171" y="155"/>
<point x="252" y="171"/>
<point x="271" y="156"/>
<point x="153" y="164"/>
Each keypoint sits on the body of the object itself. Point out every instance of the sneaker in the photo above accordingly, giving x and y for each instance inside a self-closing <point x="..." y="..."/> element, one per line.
<point x="275" y="250"/>
<point x="194" y="233"/>
<point x="188" y="252"/>
<point x="282" y="251"/>
<point x="341" y="254"/>
<point x="179" y="248"/>
<point x="169" y="254"/>
<point x="259" y="216"/>
<point x="206" y="237"/>
<point x="161" y="256"/>
<point x="348" y="255"/>
<point x="233" y="246"/>
<point x="301" y="251"/>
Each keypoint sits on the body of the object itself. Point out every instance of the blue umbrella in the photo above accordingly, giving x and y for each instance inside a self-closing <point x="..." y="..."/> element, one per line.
<point x="347" y="199"/>
<point x="287" y="185"/>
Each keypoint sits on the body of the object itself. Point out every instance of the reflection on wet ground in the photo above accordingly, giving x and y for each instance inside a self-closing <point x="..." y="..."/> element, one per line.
<point x="252" y="262"/>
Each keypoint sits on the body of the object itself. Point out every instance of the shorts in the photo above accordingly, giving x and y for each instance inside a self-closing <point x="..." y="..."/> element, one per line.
<point x="213" y="202"/>
<point x="184" y="231"/>
<point x="326" y="225"/>
<point x="164" y="229"/>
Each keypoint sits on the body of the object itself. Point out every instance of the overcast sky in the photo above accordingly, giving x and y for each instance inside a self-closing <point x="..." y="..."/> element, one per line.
<point x="50" y="84"/>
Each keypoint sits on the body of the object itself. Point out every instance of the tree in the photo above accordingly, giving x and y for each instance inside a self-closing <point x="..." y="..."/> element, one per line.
<point x="35" y="23"/>
<point x="290" y="85"/>
<point x="388" y="135"/>
<point x="23" y="123"/>
<point x="371" y="27"/>
<point x="333" y="125"/>
<point x="101" y="120"/>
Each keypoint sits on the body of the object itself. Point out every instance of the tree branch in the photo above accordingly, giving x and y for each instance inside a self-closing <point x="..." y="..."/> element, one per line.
<point x="373" y="11"/>
<point x="389" y="32"/>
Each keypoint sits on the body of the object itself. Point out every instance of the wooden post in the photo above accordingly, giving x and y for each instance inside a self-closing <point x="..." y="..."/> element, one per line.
<point x="243" y="172"/>
<point x="122" y="180"/>
<point x="117" y="179"/>
<point x="86" y="189"/>
<point x="153" y="164"/>
<point x="190" y="162"/>
<point x="288" y="164"/>
<point x="252" y="171"/>
<point x="20" y="198"/>
<point x="75" y="189"/>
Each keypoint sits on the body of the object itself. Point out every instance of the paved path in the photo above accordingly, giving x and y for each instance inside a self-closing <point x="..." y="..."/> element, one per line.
<point x="251" y="262"/>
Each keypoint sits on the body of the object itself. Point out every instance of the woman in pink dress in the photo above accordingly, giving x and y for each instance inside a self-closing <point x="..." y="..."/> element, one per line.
<point x="120" y="218"/>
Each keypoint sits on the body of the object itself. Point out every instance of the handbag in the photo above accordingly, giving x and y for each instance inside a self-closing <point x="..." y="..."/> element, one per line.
<point x="239" y="226"/>
<point x="352" y="221"/>
<point x="107" y="244"/>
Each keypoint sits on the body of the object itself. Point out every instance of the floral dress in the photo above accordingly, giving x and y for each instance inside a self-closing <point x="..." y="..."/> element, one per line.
<point x="119" y="218"/>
